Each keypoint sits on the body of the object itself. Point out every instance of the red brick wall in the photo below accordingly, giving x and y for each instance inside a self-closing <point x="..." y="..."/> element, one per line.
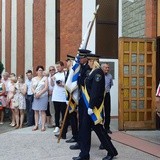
<point x="150" y="29"/>
<point x="70" y="27"/>
<point x="8" y="37"/>
<point x="20" y="36"/>
<point x="38" y="33"/>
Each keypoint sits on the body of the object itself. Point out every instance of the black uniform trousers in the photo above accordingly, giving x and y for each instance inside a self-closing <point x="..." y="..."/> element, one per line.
<point x="30" y="112"/>
<point x="72" y="120"/>
<point x="85" y="135"/>
<point x="80" y="117"/>
<point x="107" y="111"/>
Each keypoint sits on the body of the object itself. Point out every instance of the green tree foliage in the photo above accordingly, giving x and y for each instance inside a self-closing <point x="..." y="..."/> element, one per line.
<point x="1" y="67"/>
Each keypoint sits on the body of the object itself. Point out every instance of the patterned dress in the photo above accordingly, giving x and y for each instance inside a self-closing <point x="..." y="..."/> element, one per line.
<point x="2" y="98"/>
<point x="19" y="97"/>
<point x="10" y="95"/>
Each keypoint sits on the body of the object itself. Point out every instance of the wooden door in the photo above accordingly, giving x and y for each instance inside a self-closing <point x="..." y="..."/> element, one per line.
<point x="137" y="83"/>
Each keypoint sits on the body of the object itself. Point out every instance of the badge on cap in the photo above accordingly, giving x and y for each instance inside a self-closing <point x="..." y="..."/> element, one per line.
<point x="98" y="77"/>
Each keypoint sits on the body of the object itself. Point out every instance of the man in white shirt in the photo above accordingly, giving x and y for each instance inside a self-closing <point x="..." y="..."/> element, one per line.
<point x="59" y="95"/>
<point x="29" y="99"/>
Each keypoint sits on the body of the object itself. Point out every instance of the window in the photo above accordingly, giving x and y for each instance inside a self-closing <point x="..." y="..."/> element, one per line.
<point x="107" y="29"/>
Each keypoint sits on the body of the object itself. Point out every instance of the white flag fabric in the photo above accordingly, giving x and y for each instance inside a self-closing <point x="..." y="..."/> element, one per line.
<point x="71" y="83"/>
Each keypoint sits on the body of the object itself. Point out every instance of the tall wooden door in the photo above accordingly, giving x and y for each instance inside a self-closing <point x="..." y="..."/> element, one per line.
<point x="137" y="83"/>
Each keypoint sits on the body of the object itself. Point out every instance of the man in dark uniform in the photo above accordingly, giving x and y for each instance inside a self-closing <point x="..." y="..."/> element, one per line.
<point x="84" y="72"/>
<point x="95" y="85"/>
<point x="72" y="116"/>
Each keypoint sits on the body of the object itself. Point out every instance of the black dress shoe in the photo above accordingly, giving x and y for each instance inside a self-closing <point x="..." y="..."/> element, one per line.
<point x="109" y="131"/>
<point x="63" y="136"/>
<point x="101" y="147"/>
<point x="74" y="147"/>
<point x="72" y="140"/>
<point x="108" y="157"/>
<point x="80" y="158"/>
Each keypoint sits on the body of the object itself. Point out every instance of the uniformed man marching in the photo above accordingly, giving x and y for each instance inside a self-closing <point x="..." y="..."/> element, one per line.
<point x="93" y="95"/>
<point x="84" y="72"/>
<point x="72" y="115"/>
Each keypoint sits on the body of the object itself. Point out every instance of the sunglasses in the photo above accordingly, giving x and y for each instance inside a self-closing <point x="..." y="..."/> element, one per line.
<point x="52" y="70"/>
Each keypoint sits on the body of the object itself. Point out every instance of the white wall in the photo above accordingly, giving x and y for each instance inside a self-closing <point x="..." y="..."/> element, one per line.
<point x="28" y="35"/>
<point x="50" y="33"/>
<point x="14" y="37"/>
<point x="88" y="8"/>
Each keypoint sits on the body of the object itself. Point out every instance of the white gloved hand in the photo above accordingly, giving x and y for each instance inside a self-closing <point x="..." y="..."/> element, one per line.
<point x="90" y="111"/>
<point x="67" y="102"/>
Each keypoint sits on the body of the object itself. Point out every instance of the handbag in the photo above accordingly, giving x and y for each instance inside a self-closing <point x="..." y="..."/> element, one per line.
<point x="15" y="103"/>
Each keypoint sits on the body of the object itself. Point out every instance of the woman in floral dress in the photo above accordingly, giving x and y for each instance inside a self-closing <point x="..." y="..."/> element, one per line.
<point x="20" y="101"/>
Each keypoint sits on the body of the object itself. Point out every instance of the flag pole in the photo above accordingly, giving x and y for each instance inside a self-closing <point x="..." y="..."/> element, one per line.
<point x="83" y="45"/>
<point x="64" y="120"/>
<point x="85" y="39"/>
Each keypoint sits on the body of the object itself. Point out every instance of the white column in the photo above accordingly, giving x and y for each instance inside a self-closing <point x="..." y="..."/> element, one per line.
<point x="88" y="8"/>
<point x="28" y="35"/>
<point x="14" y="36"/>
<point x="3" y="31"/>
<point x="50" y="32"/>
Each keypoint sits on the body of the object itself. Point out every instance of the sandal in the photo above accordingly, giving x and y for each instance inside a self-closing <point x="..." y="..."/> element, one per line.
<point x="43" y="129"/>
<point x="16" y="127"/>
<point x="35" y="128"/>
<point x="20" y="127"/>
<point x="13" y="125"/>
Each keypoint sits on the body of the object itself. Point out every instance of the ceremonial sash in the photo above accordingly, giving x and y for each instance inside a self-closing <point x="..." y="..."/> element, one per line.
<point x="97" y="113"/>
<point x="72" y="104"/>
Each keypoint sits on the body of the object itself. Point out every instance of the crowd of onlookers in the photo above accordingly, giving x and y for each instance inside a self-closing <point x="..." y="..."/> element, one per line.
<point x="32" y="97"/>
<point x="40" y="98"/>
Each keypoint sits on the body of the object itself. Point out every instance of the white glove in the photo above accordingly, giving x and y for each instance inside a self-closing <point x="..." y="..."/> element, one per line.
<point x="67" y="102"/>
<point x="90" y="111"/>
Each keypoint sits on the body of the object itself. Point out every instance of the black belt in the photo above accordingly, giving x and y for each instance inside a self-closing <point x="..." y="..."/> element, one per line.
<point x="29" y="95"/>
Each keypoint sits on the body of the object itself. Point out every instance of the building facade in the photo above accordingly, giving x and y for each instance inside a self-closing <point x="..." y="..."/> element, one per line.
<point x="41" y="32"/>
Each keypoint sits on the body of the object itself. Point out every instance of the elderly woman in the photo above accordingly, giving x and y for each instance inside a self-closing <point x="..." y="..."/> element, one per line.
<point x="40" y="91"/>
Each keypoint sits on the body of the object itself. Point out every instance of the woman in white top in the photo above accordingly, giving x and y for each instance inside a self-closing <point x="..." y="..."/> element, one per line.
<point x="40" y="91"/>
